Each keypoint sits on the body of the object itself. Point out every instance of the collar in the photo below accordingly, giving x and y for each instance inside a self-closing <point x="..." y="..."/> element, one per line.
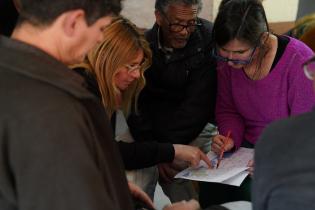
<point x="160" y="46"/>
<point x="34" y="63"/>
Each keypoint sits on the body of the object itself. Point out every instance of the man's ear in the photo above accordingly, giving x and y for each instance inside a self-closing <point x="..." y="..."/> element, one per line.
<point x="72" y="21"/>
<point x="18" y="5"/>
<point x="158" y="17"/>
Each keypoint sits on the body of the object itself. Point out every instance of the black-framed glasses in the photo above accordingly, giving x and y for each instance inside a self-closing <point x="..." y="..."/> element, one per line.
<point x="177" y="27"/>
<point x="217" y="56"/>
<point x="309" y="68"/>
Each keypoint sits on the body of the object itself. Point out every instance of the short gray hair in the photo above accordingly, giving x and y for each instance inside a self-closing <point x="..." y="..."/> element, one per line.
<point x="162" y="5"/>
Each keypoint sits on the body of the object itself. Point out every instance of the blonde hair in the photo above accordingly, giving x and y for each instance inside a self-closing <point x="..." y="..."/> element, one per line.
<point x="122" y="41"/>
<point x="303" y="24"/>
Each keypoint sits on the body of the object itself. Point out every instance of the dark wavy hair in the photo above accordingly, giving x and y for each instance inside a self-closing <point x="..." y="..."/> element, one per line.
<point x="162" y="5"/>
<point x="44" y="12"/>
<point x="244" y="20"/>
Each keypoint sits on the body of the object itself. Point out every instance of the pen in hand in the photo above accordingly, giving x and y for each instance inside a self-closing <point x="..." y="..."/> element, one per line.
<point x="222" y="148"/>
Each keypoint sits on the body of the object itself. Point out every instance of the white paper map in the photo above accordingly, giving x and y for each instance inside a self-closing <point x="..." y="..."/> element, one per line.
<point x="232" y="169"/>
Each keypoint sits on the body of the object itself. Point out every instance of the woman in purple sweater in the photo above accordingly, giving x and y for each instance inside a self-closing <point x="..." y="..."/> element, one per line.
<point x="260" y="78"/>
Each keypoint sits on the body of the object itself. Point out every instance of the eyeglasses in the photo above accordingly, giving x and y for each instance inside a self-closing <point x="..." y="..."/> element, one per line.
<point x="176" y="27"/>
<point x="234" y="61"/>
<point x="309" y="68"/>
<point x="133" y="68"/>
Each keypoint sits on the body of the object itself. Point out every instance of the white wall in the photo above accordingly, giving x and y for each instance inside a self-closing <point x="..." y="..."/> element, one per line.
<point x="141" y="12"/>
<point x="276" y="10"/>
<point x="281" y="10"/>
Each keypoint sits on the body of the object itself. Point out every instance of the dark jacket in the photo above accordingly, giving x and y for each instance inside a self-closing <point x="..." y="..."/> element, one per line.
<point x="135" y="155"/>
<point x="284" y="165"/>
<point x="180" y="92"/>
<point x="57" y="149"/>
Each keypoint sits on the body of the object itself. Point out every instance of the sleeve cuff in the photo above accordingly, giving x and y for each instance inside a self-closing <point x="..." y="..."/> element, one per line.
<point x="166" y="152"/>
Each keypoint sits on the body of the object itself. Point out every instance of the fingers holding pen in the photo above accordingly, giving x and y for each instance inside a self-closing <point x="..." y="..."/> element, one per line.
<point x="229" y="144"/>
<point x="219" y="142"/>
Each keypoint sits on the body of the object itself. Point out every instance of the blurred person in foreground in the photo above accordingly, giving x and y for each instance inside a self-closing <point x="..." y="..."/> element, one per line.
<point x="284" y="179"/>
<point x="52" y="129"/>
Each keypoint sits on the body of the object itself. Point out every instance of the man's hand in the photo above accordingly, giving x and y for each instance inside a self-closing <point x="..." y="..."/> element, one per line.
<point x="219" y="141"/>
<point x="139" y="194"/>
<point x="190" y="154"/>
<point x="183" y="205"/>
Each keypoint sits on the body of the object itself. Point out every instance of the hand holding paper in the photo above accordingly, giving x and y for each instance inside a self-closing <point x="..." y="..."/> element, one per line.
<point x="232" y="168"/>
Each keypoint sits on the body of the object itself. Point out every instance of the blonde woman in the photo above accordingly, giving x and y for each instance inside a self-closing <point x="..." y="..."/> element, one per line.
<point x="114" y="71"/>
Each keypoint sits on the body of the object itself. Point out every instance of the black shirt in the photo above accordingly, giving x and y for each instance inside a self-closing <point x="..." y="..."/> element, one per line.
<point x="179" y="97"/>
<point x="135" y="155"/>
<point x="282" y="44"/>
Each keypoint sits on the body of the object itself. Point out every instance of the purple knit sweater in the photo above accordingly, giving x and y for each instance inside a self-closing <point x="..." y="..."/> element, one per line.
<point x="246" y="107"/>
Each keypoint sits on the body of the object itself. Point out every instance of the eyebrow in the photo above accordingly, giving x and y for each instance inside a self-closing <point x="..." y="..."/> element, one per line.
<point x="235" y="51"/>
<point x="182" y="20"/>
<point x="137" y="63"/>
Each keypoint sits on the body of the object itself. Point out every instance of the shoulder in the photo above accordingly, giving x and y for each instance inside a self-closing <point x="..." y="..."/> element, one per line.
<point x="151" y="34"/>
<point x="206" y="25"/>
<point x="299" y="49"/>
<point x="291" y="122"/>
<point x="295" y="54"/>
<point x="50" y="118"/>
<point x="205" y="29"/>
<point x="287" y="132"/>
<point x="28" y="98"/>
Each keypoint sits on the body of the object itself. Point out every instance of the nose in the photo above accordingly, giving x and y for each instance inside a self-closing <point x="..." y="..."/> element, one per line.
<point x="230" y="55"/>
<point x="135" y="74"/>
<point x="184" y="32"/>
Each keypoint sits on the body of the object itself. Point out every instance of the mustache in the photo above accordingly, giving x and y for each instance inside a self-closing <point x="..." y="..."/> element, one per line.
<point x="182" y="38"/>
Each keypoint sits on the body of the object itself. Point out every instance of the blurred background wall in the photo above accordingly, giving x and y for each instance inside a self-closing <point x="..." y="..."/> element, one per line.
<point x="142" y="11"/>
<point x="280" y="13"/>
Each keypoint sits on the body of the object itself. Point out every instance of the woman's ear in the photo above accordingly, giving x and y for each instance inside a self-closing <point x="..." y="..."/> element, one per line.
<point x="264" y="37"/>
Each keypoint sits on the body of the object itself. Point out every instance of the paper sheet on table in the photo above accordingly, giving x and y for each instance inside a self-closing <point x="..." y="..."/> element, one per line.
<point x="232" y="169"/>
